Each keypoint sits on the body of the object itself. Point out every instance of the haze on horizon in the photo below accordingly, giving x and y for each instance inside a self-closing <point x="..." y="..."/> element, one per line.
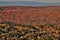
<point x="47" y="1"/>
<point x="29" y="2"/>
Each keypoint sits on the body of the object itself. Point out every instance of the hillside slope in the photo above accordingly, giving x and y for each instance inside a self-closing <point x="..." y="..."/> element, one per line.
<point x="30" y="23"/>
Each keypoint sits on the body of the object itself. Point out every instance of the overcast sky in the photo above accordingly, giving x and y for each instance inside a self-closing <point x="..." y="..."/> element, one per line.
<point x="48" y="1"/>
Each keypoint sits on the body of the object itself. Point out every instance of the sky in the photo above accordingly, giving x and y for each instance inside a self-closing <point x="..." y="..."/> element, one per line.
<point x="29" y="2"/>
<point x="47" y="1"/>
